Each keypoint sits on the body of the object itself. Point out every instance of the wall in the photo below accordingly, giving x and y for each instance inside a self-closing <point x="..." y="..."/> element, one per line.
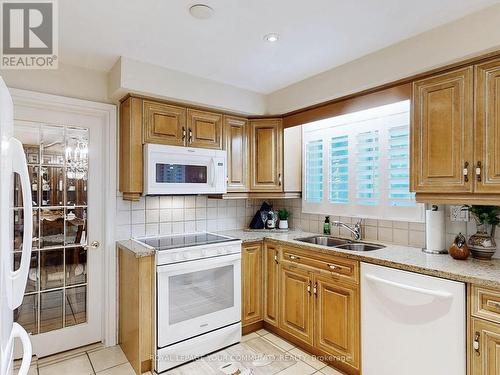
<point x="138" y="77"/>
<point x="68" y="81"/>
<point x="472" y="35"/>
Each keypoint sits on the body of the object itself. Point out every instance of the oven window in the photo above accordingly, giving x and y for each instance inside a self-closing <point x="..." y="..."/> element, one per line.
<point x="181" y="174"/>
<point x="195" y="294"/>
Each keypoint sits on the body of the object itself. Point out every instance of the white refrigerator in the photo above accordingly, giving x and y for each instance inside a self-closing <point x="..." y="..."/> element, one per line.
<point x="12" y="282"/>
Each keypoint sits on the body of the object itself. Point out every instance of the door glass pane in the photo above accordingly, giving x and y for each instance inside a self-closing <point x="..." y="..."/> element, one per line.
<point x="200" y="293"/>
<point x="51" y="310"/>
<point x="56" y="290"/>
<point x="27" y="314"/>
<point x="76" y="306"/>
<point x="51" y="268"/>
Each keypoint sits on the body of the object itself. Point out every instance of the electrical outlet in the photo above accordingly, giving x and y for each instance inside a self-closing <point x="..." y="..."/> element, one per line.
<point x="458" y="213"/>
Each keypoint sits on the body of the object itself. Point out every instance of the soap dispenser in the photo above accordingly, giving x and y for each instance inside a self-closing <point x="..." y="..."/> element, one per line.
<point x="326" y="226"/>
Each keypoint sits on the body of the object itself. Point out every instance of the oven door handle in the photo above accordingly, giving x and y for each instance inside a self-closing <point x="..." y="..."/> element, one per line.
<point x="212" y="169"/>
<point x="199" y="264"/>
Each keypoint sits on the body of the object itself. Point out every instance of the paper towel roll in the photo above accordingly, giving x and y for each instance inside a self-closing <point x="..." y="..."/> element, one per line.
<point x="435" y="231"/>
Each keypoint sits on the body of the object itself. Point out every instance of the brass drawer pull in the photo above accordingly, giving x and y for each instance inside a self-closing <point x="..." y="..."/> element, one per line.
<point x="494" y="304"/>
<point x="293" y="257"/>
<point x="333" y="267"/>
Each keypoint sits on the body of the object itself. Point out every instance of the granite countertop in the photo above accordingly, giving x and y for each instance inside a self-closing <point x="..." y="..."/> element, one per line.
<point x="486" y="273"/>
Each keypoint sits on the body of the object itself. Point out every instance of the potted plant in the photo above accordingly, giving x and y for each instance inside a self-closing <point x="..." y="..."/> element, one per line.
<point x="482" y="244"/>
<point x="283" y="215"/>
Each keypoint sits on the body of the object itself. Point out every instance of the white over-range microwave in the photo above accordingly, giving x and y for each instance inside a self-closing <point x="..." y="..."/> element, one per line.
<point x="170" y="170"/>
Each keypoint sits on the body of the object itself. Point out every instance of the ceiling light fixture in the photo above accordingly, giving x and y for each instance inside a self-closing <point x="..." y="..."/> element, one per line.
<point x="271" y="38"/>
<point x="201" y="11"/>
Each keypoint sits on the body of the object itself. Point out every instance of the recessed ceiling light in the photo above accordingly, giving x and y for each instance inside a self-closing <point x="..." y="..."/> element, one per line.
<point x="271" y="38"/>
<point x="201" y="11"/>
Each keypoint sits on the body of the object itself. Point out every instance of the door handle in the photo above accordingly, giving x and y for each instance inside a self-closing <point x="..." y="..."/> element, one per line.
<point x="95" y="244"/>
<point x="190" y="136"/>
<point x="20" y="333"/>
<point x="433" y="293"/>
<point x="478" y="171"/>
<point x="183" y="133"/>
<point x="19" y="277"/>
<point x="466" y="171"/>
<point x="309" y="288"/>
<point x="475" y="344"/>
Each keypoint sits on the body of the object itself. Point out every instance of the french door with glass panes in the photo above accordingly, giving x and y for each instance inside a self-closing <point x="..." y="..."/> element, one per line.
<point x="62" y="303"/>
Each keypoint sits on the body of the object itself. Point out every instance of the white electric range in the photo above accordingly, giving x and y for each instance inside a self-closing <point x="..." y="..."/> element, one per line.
<point x="198" y="296"/>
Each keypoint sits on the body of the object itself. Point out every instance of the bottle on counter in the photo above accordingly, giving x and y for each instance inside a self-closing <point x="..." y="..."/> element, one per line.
<point x="270" y="222"/>
<point x="327" y="226"/>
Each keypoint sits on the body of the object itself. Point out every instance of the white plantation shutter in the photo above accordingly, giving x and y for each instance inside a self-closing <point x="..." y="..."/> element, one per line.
<point x="314" y="171"/>
<point x="339" y="169"/>
<point x="358" y="165"/>
<point x="399" y="167"/>
<point x="367" y="168"/>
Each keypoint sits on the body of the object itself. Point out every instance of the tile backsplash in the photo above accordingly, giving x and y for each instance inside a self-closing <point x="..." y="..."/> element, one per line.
<point x="179" y="214"/>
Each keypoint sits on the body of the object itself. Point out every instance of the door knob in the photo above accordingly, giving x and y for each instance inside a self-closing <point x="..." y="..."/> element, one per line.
<point x="95" y="244"/>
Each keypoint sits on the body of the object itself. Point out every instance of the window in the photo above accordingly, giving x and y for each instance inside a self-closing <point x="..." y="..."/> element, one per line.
<point x="358" y="165"/>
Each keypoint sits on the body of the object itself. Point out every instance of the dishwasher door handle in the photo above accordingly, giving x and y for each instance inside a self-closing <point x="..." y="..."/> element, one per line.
<point x="428" y="292"/>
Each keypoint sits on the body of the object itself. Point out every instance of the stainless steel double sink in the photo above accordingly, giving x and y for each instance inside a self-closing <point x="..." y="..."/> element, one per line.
<point x="340" y="243"/>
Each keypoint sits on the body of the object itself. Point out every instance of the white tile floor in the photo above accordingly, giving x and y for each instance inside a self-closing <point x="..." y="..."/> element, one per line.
<point x="112" y="361"/>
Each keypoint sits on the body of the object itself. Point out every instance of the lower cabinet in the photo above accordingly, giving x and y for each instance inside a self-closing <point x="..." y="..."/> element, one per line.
<point x="296" y="303"/>
<point x="251" y="284"/>
<point x="271" y="284"/>
<point x="485" y="356"/>
<point x="337" y="318"/>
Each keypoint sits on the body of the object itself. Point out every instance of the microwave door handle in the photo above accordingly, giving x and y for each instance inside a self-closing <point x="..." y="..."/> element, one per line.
<point x="212" y="162"/>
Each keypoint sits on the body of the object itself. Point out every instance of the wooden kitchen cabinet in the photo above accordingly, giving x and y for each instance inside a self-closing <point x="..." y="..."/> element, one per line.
<point x="236" y="144"/>
<point x="487" y="128"/>
<point x="485" y="356"/>
<point x="296" y="309"/>
<point x="266" y="154"/>
<point x="441" y="133"/>
<point x="337" y="319"/>
<point x="271" y="284"/>
<point x="164" y="124"/>
<point x="251" y="284"/>
<point x="204" y="129"/>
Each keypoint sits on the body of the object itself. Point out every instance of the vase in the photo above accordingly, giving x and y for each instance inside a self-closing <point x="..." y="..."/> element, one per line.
<point x="482" y="244"/>
<point x="283" y="224"/>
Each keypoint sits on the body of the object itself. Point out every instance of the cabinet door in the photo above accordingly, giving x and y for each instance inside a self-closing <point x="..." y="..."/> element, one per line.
<point x="251" y="284"/>
<point x="442" y="130"/>
<point x="486" y="355"/>
<point x="164" y="124"/>
<point x="296" y="309"/>
<point x="487" y="127"/>
<point x="205" y="129"/>
<point x="337" y="329"/>
<point x="271" y="284"/>
<point x="236" y="145"/>
<point x="266" y="150"/>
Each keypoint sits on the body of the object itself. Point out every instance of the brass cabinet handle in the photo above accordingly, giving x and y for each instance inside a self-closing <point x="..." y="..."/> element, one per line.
<point x="293" y="257"/>
<point x="333" y="267"/>
<point x="279" y="179"/>
<point x="183" y="133"/>
<point x="315" y="289"/>
<point x="466" y="171"/>
<point x="190" y="136"/>
<point x="476" y="343"/>
<point x="309" y="288"/>
<point x="478" y="171"/>
<point x="276" y="258"/>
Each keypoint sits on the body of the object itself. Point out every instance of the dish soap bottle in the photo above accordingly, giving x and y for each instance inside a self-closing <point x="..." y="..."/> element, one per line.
<point x="326" y="226"/>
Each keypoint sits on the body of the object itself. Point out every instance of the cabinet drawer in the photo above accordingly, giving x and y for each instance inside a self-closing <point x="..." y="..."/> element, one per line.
<point x="344" y="269"/>
<point x="486" y="303"/>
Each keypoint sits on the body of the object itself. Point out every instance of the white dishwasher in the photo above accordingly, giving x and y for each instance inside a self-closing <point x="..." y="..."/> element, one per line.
<point x="411" y="324"/>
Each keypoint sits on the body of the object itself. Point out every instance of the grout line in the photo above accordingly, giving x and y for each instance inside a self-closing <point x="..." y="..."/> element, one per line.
<point x="91" y="364"/>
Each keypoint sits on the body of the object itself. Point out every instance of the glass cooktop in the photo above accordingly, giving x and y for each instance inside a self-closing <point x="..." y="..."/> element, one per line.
<point x="184" y="240"/>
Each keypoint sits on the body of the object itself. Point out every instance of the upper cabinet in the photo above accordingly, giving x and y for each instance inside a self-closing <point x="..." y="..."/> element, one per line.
<point x="164" y="124"/>
<point x="236" y="145"/>
<point x="487" y="128"/>
<point x="204" y="129"/>
<point x="442" y="131"/>
<point x="456" y="136"/>
<point x="266" y="153"/>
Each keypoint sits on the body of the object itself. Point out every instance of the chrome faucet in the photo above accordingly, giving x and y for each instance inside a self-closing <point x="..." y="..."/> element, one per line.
<point x="355" y="230"/>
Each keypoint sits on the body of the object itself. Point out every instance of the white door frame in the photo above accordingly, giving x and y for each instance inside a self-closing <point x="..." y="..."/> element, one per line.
<point x="107" y="112"/>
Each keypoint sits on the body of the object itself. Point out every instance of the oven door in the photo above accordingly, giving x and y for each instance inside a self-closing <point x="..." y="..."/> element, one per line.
<point x="196" y="297"/>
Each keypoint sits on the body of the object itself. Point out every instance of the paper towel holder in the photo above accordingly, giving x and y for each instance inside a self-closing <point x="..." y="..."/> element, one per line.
<point x="444" y="251"/>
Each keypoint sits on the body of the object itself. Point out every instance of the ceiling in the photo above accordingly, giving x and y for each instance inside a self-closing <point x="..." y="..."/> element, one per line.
<point x="315" y="35"/>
